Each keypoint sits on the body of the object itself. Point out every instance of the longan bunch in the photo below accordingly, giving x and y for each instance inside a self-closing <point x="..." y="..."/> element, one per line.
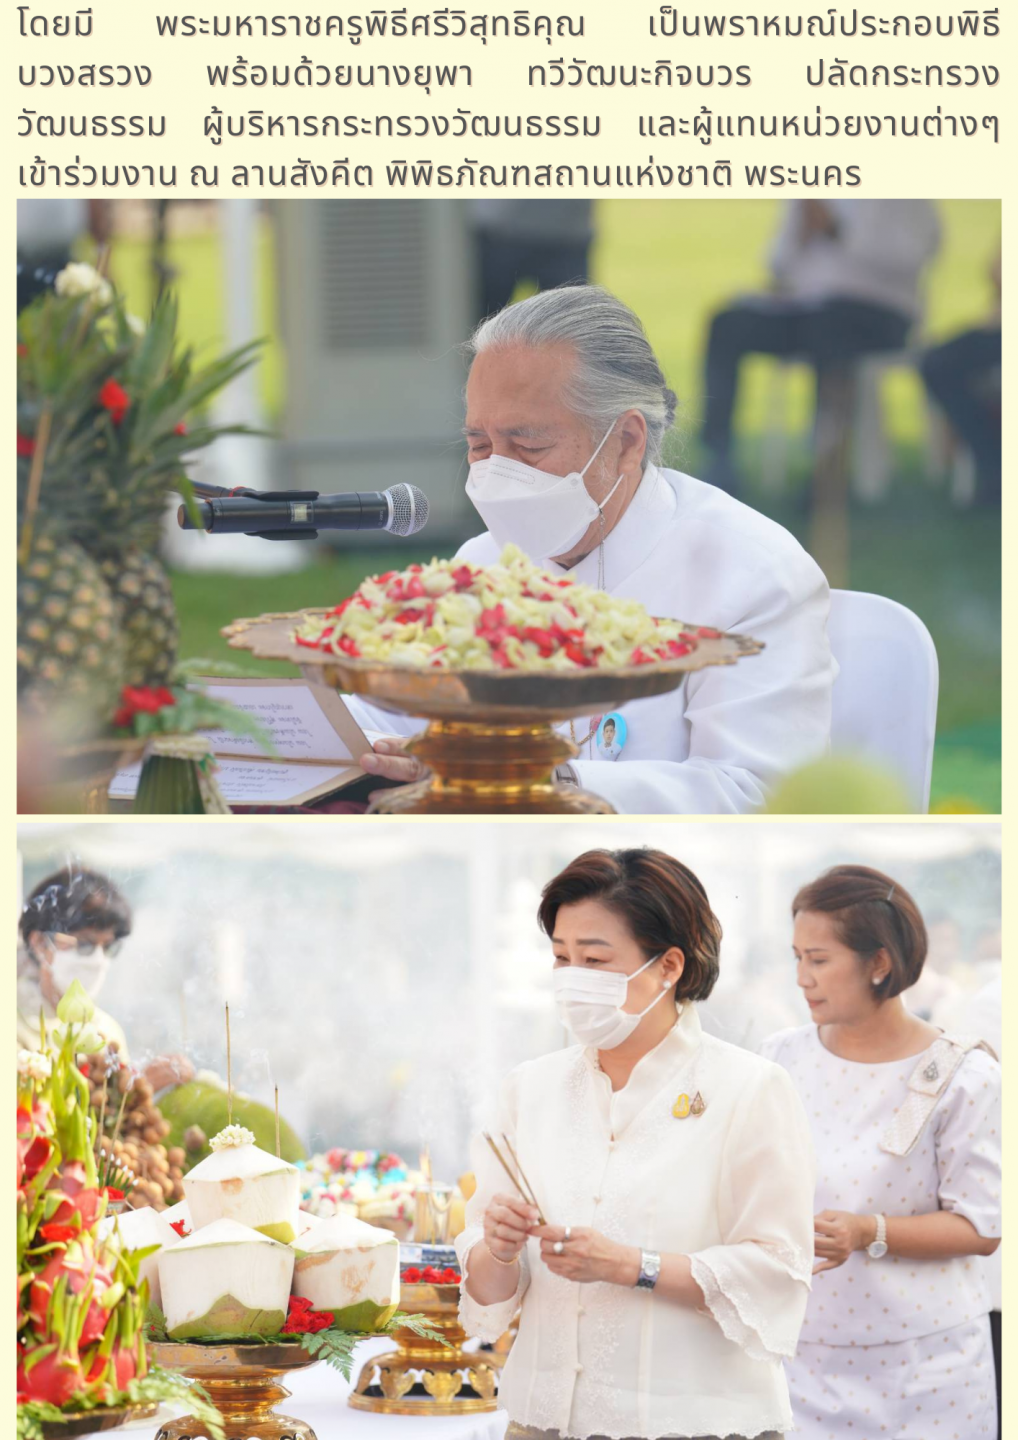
<point x="138" y="1145"/>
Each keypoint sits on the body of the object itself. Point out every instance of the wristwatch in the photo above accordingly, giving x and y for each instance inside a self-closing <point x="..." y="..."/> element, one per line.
<point x="650" y="1269"/>
<point x="878" y="1249"/>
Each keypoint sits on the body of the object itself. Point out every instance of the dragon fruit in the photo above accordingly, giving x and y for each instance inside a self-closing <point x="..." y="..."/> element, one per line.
<point x="71" y="1274"/>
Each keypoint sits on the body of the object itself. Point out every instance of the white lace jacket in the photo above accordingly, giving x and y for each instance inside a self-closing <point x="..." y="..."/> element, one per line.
<point x="731" y="1187"/>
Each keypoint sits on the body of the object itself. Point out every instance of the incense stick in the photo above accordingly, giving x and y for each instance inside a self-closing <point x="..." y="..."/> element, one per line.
<point x="522" y="1174"/>
<point x="278" y="1154"/>
<point x="530" y="1199"/>
<point x="229" y="1073"/>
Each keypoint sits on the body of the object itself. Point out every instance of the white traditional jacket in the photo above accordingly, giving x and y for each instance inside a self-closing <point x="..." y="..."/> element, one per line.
<point x="688" y="551"/>
<point x="731" y="1187"/>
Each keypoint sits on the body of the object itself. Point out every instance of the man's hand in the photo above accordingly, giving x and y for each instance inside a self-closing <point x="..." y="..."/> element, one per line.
<point x="837" y="1233"/>
<point x="389" y="758"/>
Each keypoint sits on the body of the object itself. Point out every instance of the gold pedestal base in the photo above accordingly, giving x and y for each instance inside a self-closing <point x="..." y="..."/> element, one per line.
<point x="242" y="1382"/>
<point x="491" y="769"/>
<point x="424" y="1377"/>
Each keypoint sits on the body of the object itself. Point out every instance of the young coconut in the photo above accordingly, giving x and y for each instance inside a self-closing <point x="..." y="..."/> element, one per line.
<point x="225" y="1282"/>
<point x="140" y="1230"/>
<point x="351" y="1269"/>
<point x="240" y="1182"/>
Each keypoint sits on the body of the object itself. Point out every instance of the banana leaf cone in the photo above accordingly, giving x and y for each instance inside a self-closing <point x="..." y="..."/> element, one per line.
<point x="169" y="786"/>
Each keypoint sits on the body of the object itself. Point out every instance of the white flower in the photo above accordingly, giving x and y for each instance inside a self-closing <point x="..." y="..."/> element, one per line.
<point x="232" y="1135"/>
<point x="134" y="324"/>
<point x="77" y="279"/>
<point x="34" y="1065"/>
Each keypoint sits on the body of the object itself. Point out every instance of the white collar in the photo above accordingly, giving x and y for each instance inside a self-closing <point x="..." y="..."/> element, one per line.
<point x="660" y="1069"/>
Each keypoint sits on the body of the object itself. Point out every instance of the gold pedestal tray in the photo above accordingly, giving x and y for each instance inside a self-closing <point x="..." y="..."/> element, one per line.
<point x="424" y="1377"/>
<point x="242" y="1382"/>
<point x="490" y="743"/>
<point x="90" y="1421"/>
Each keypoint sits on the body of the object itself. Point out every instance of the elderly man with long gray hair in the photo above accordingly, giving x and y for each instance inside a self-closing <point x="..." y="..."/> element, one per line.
<point x="567" y="409"/>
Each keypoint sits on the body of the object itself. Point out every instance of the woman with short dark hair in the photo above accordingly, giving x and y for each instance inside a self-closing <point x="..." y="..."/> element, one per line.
<point x="906" y="1126"/>
<point x="72" y="926"/>
<point x="674" y="1172"/>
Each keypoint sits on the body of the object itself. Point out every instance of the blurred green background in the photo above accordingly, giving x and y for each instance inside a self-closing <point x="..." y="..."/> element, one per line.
<point x="675" y="263"/>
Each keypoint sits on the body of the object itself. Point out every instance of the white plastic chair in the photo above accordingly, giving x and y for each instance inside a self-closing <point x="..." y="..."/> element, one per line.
<point x="885" y="696"/>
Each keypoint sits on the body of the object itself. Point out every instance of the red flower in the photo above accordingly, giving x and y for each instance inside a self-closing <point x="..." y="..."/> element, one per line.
<point x="411" y="1275"/>
<point x="141" y="700"/>
<point x="181" y="1227"/>
<point x="22" y="349"/>
<point x="301" y="1319"/>
<point x="112" y="1193"/>
<point x="26" y="445"/>
<point x="115" y="399"/>
<point x="180" y="428"/>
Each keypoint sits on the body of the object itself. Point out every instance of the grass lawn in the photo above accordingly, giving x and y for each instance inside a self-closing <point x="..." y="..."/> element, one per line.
<point x="675" y="262"/>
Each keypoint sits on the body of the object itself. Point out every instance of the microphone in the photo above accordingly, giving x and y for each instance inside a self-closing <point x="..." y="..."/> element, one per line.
<point x="300" y="514"/>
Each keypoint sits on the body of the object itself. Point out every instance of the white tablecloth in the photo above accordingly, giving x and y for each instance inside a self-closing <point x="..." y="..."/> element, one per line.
<point x="319" y="1397"/>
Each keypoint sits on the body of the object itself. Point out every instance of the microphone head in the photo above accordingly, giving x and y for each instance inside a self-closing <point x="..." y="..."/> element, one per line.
<point x="408" y="509"/>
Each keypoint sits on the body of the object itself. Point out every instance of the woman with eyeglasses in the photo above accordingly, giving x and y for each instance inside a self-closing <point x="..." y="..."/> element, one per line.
<point x="675" y="1175"/>
<point x="72" y="926"/>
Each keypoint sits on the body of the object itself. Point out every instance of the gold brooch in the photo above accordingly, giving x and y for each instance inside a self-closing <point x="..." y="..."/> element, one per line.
<point x="684" y="1106"/>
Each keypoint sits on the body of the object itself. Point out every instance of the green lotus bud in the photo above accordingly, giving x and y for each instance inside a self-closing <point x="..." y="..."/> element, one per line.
<point x="75" y="1007"/>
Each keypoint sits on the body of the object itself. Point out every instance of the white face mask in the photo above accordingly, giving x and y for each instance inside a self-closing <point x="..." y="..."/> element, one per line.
<point x="590" y="1003"/>
<point x="90" y="970"/>
<point x="543" y="514"/>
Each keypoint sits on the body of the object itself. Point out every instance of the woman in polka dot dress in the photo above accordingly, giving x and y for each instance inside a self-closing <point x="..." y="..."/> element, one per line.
<point x="906" y="1127"/>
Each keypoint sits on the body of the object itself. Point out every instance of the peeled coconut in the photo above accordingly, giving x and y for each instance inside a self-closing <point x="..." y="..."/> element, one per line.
<point x="225" y="1282"/>
<point x="138" y="1230"/>
<point x="306" y="1222"/>
<point x="351" y="1269"/>
<point x="240" y="1182"/>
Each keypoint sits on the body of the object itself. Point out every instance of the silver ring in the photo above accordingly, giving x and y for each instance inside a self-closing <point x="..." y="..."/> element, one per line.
<point x="558" y="1247"/>
<point x="569" y="1232"/>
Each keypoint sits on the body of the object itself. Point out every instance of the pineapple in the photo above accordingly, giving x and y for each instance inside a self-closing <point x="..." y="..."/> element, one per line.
<point x="70" y="648"/>
<point x="143" y="599"/>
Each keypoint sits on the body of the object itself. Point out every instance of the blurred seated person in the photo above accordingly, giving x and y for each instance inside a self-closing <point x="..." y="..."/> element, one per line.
<point x="845" y="285"/>
<point x="963" y="376"/>
<point x="543" y="241"/>
<point x="72" y="926"/>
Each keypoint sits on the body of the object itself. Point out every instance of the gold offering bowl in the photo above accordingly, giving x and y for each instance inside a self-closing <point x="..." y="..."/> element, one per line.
<point x="242" y="1382"/>
<point x="91" y="1421"/>
<point x="490" y="743"/>
<point x="424" y="1377"/>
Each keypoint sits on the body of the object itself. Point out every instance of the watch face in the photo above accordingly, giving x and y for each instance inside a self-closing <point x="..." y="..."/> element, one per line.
<point x="877" y="1250"/>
